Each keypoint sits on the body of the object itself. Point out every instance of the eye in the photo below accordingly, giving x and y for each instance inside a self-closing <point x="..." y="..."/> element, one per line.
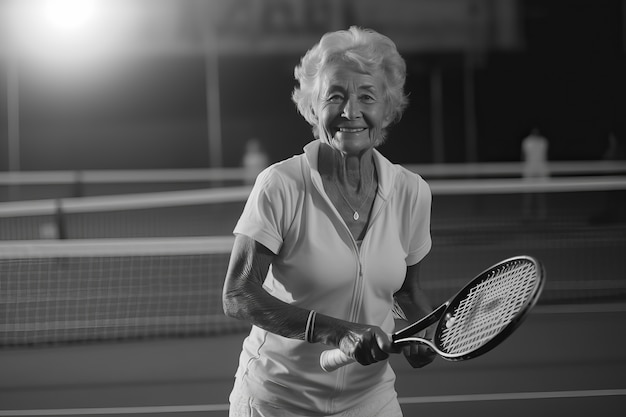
<point x="367" y="98"/>
<point x="334" y="98"/>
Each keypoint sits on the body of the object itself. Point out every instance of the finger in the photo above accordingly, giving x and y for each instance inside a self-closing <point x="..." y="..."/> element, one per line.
<point x="406" y="350"/>
<point x="386" y="344"/>
<point x="364" y="356"/>
<point x="378" y="354"/>
<point x="418" y="356"/>
<point x="371" y="351"/>
<point x="396" y="348"/>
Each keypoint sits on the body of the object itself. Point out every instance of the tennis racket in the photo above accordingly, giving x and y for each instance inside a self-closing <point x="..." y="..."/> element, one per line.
<point x="478" y="318"/>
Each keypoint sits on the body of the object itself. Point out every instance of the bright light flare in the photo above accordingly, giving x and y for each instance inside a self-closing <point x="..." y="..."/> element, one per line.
<point x="69" y="34"/>
<point x="69" y="15"/>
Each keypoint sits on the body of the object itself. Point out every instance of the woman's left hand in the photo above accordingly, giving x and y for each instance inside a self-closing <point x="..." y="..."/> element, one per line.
<point x="418" y="354"/>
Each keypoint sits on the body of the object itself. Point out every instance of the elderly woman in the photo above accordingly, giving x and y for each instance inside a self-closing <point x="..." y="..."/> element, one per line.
<point x="328" y="242"/>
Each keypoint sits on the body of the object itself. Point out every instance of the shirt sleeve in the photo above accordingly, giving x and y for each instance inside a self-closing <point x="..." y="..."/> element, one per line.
<point x="263" y="216"/>
<point x="421" y="241"/>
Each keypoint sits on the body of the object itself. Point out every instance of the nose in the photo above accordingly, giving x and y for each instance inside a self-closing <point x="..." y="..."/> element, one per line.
<point x="351" y="110"/>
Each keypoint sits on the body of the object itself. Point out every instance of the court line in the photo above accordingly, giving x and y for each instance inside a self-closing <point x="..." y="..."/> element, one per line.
<point x="157" y="409"/>
<point x="510" y="396"/>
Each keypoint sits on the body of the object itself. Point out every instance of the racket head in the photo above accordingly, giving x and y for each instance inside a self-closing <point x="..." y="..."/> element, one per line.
<point x="489" y="308"/>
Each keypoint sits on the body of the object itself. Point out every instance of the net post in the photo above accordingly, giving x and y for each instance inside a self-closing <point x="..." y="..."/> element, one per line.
<point x="59" y="216"/>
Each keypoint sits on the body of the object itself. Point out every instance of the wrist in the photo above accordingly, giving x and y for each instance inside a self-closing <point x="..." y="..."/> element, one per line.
<point x="328" y="330"/>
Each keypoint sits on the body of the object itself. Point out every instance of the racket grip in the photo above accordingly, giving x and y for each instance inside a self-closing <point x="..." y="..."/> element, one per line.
<point x="331" y="360"/>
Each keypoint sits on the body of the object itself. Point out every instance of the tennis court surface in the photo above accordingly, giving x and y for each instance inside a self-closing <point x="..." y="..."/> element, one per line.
<point x="562" y="361"/>
<point x="123" y="316"/>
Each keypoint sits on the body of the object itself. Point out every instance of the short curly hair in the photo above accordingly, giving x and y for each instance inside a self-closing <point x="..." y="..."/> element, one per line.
<point x="370" y="51"/>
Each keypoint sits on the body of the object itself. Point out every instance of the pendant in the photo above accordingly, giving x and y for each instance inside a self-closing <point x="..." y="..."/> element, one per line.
<point x="355" y="216"/>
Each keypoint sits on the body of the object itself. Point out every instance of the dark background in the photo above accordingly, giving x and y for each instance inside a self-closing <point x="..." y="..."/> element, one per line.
<point x="565" y="74"/>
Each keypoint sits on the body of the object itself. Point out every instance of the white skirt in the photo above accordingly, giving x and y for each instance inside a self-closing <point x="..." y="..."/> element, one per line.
<point x="242" y="405"/>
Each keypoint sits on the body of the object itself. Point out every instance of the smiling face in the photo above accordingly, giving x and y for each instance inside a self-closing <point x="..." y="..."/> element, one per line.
<point x="351" y="109"/>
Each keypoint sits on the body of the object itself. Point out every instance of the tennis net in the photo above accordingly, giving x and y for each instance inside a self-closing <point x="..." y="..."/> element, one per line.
<point x="36" y="185"/>
<point x="161" y="283"/>
<point x="62" y="291"/>
<point x="575" y="225"/>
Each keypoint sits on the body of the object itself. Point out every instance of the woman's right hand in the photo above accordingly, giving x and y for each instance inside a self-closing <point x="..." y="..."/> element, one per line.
<point x="366" y="344"/>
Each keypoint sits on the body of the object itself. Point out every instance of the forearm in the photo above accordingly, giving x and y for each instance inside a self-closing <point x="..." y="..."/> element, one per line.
<point x="254" y="305"/>
<point x="244" y="297"/>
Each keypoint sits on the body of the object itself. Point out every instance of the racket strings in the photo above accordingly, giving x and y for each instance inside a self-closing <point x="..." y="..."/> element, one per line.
<point x="488" y="307"/>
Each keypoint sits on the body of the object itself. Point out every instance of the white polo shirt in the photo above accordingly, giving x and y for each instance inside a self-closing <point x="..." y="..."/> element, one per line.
<point x="319" y="266"/>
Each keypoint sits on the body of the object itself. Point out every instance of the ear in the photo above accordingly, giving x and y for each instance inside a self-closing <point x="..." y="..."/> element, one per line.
<point x="388" y="119"/>
<point x="311" y="117"/>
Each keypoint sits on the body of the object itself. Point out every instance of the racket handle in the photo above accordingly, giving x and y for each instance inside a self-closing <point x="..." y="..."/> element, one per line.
<point x="331" y="360"/>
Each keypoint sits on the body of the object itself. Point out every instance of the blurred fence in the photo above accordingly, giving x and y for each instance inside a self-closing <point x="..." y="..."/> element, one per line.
<point x="31" y="185"/>
<point x="458" y="204"/>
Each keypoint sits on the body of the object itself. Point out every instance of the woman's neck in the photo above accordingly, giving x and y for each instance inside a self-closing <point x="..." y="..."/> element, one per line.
<point x="354" y="172"/>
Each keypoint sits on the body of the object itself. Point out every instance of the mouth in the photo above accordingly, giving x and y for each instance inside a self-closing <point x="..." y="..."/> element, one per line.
<point x="351" y="129"/>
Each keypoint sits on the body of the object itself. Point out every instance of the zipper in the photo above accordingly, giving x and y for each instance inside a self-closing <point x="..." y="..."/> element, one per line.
<point x="357" y="298"/>
<point x="356" y="305"/>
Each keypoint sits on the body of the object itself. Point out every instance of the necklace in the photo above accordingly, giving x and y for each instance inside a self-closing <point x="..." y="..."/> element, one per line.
<point x="355" y="215"/>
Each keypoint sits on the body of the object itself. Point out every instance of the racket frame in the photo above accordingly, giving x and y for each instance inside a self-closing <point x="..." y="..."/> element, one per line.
<point x="403" y="336"/>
